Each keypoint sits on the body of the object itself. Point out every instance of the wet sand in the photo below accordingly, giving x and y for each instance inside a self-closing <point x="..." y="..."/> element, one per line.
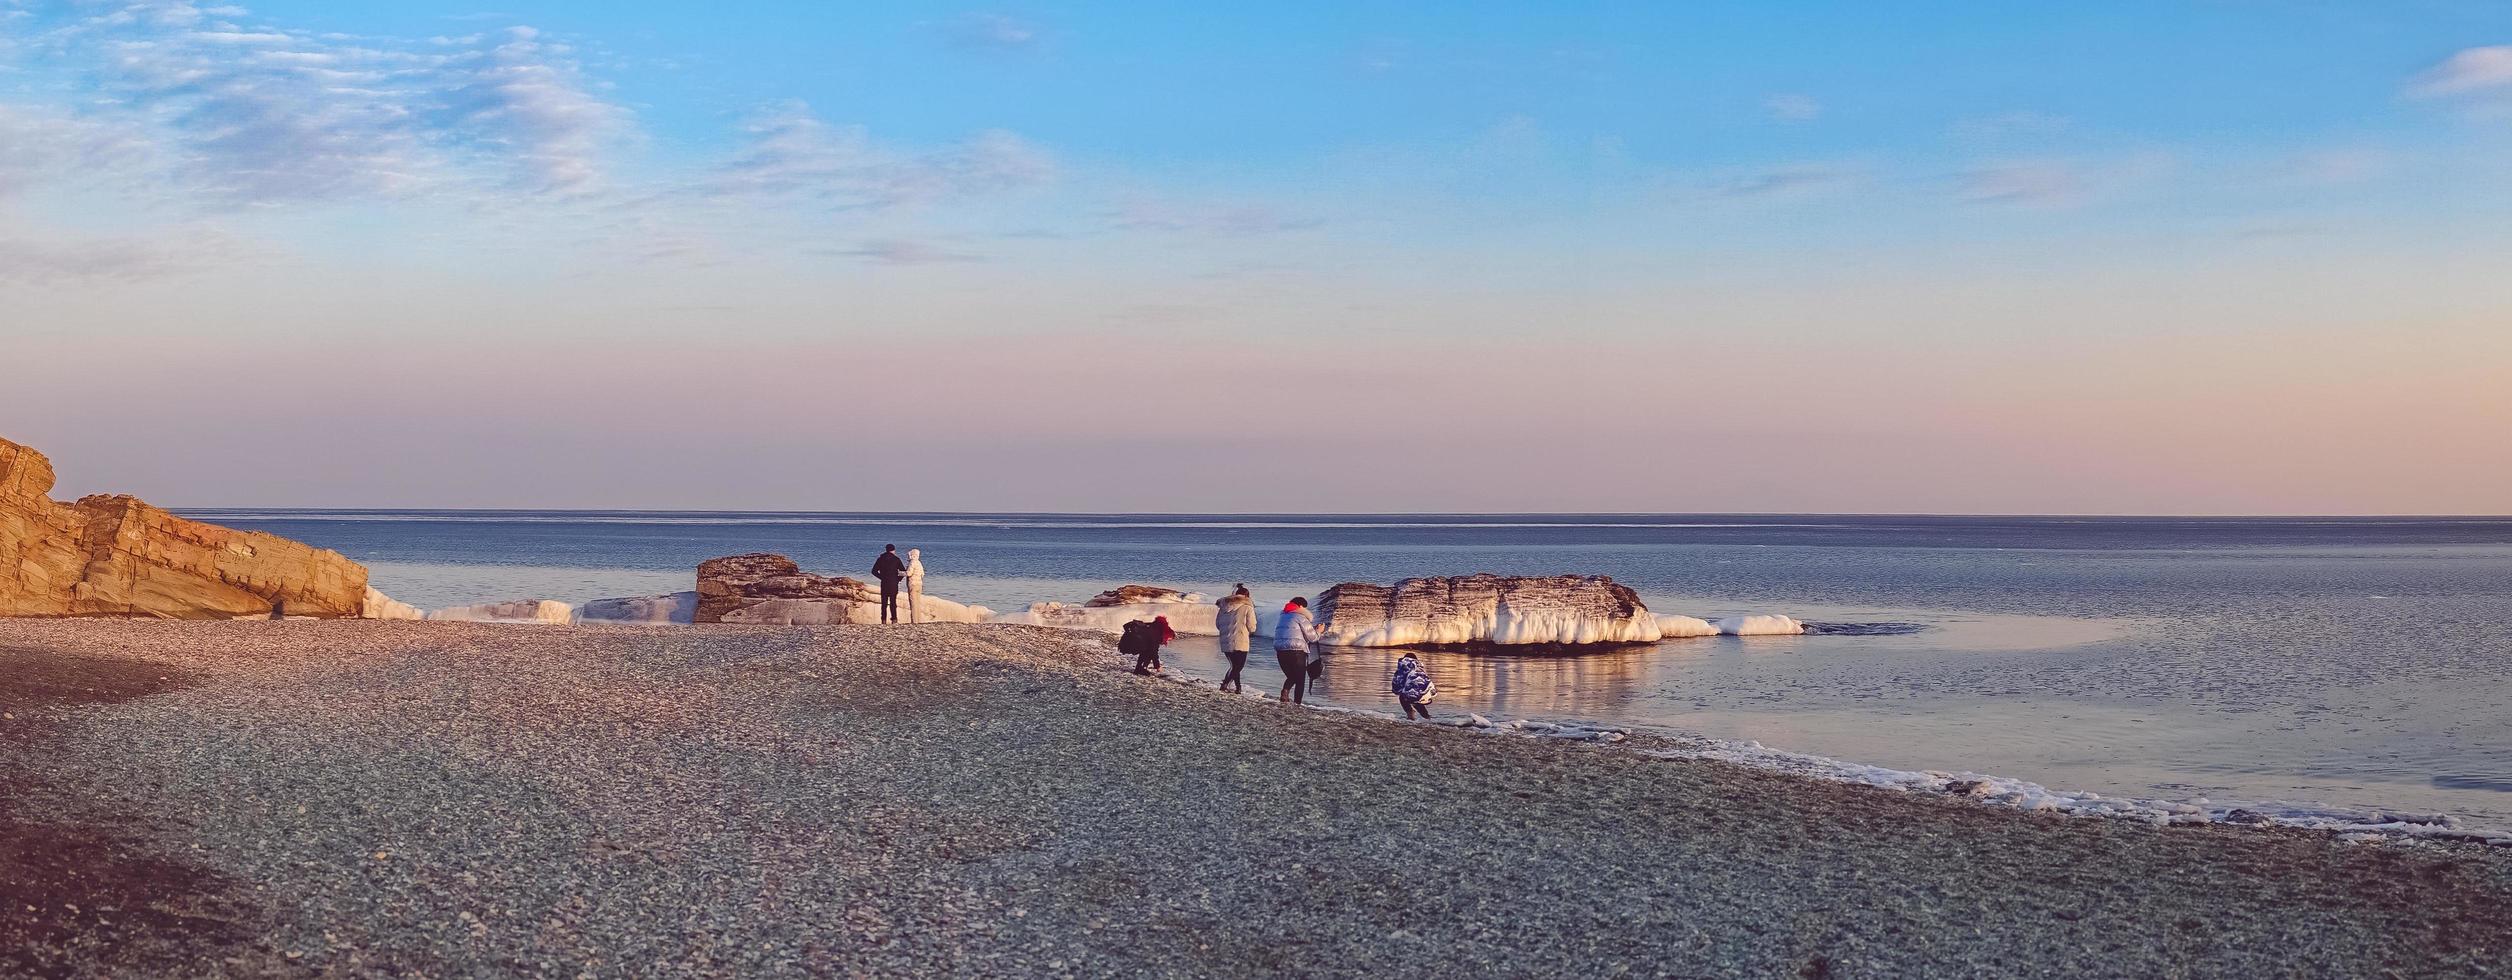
<point x="448" y="799"/>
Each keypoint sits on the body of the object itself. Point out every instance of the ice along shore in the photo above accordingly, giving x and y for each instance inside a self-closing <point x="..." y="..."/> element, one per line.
<point x="450" y="798"/>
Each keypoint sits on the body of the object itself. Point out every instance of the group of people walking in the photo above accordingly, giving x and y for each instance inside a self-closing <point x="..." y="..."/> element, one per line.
<point x="1295" y="649"/>
<point x="1295" y="636"/>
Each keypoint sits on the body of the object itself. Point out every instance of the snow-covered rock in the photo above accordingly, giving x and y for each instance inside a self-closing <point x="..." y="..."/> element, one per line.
<point x="544" y="611"/>
<point x="1109" y="611"/>
<point x="1760" y="626"/>
<point x="1671" y="626"/>
<point x="1188" y="613"/>
<point x="676" y="607"/>
<point x="381" y="606"/>
<point x="1486" y="609"/>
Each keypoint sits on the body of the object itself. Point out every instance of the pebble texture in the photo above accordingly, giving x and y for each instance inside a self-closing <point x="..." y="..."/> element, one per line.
<point x="453" y="799"/>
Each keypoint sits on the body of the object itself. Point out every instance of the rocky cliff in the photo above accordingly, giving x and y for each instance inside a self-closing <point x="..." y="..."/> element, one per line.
<point x="1486" y="609"/>
<point x="111" y="555"/>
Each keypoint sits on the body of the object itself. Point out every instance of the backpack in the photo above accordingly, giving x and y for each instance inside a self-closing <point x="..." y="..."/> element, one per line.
<point x="1138" y="638"/>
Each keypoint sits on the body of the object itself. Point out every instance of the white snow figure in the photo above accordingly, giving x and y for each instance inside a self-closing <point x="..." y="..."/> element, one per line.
<point x="915" y="582"/>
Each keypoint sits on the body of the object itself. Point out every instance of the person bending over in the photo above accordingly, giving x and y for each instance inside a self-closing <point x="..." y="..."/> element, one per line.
<point x="1413" y="687"/>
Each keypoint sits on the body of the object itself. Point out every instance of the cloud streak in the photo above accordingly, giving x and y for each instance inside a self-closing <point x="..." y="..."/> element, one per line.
<point x="2467" y="72"/>
<point x="791" y="152"/>
<point x="255" y="115"/>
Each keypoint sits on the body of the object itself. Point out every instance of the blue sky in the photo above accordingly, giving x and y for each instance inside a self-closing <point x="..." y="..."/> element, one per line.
<point x="1701" y="228"/>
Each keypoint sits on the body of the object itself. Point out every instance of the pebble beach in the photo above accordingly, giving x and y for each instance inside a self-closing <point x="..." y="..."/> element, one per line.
<point x="454" y="799"/>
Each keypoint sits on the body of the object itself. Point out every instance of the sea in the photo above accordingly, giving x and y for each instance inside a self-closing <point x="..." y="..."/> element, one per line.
<point x="2354" y="662"/>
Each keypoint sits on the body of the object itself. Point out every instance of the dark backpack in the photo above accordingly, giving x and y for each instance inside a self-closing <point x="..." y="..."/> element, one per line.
<point x="1138" y="639"/>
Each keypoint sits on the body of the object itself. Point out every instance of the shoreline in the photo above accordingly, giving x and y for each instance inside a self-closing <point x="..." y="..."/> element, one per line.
<point x="1038" y="751"/>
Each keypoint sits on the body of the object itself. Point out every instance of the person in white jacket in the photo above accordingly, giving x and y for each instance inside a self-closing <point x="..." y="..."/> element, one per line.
<point x="1237" y="624"/>
<point x="915" y="581"/>
<point x="1294" y="643"/>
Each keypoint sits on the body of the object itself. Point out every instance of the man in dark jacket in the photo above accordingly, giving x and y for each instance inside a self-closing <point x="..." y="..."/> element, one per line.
<point x="889" y="569"/>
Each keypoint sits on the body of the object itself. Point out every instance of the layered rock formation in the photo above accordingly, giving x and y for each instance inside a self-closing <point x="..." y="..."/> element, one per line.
<point x="1130" y="595"/>
<point x="1486" y="609"/>
<point x="772" y="589"/>
<point x="1109" y="611"/>
<point x="111" y="555"/>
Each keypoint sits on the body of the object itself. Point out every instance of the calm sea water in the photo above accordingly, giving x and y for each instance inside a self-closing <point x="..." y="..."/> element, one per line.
<point x="2343" y="661"/>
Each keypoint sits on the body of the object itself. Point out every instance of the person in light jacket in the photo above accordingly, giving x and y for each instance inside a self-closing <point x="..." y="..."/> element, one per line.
<point x="1294" y="644"/>
<point x="915" y="581"/>
<point x="1237" y="621"/>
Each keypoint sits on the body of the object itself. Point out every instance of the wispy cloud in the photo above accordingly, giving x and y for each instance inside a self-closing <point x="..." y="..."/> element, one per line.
<point x="902" y="251"/>
<point x="992" y="31"/>
<point x="2060" y="183"/>
<point x="792" y="152"/>
<point x="2470" y="71"/>
<point x="2038" y="183"/>
<point x="26" y="260"/>
<point x="523" y="97"/>
<point x="1791" y="180"/>
<point x="39" y="146"/>
<point x="257" y="114"/>
<point x="1793" y="107"/>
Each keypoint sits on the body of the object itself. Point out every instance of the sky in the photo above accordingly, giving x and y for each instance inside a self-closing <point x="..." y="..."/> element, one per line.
<point x="2231" y="257"/>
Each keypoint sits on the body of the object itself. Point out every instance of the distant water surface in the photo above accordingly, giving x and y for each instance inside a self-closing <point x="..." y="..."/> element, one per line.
<point x="2334" y="660"/>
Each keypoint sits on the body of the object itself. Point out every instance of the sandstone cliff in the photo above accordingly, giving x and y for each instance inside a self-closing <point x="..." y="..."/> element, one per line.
<point x="1486" y="609"/>
<point x="111" y="555"/>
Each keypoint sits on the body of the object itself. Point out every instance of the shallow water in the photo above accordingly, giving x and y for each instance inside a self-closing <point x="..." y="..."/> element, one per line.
<point x="2336" y="661"/>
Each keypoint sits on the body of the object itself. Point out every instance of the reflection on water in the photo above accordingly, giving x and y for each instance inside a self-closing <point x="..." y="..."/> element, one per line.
<point x="2354" y="662"/>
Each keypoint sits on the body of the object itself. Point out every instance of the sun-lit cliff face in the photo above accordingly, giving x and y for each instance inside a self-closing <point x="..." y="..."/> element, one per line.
<point x="113" y="555"/>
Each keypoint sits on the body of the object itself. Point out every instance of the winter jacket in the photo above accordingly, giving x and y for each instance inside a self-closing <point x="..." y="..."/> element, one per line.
<point x="888" y="568"/>
<point x="1297" y="630"/>
<point x="1411" y="682"/>
<point x="915" y="565"/>
<point x="1237" y="621"/>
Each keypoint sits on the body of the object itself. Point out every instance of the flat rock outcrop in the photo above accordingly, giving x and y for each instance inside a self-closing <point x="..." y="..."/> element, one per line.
<point x="1131" y="595"/>
<point x="772" y="589"/>
<point x="112" y="555"/>
<point x="676" y="607"/>
<point x="765" y="588"/>
<point x="1486" y="610"/>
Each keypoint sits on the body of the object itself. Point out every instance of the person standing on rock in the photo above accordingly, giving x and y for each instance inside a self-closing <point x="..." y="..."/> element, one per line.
<point x="915" y="582"/>
<point x="1237" y="622"/>
<point x="889" y="570"/>
<point x="1294" y="645"/>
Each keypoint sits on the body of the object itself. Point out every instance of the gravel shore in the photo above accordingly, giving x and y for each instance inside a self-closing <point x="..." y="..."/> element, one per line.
<point x="450" y="799"/>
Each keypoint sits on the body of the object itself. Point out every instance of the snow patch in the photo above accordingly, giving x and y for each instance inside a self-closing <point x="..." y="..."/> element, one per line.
<point x="1195" y="618"/>
<point x="1673" y="627"/>
<point x="549" y="612"/>
<point x="676" y="607"/>
<point x="1759" y="626"/>
<point x="381" y="606"/>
